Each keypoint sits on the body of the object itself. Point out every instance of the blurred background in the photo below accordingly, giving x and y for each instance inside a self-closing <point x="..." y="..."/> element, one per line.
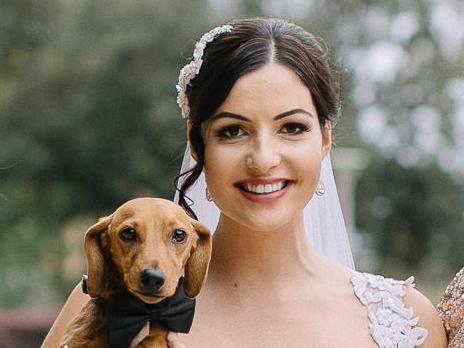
<point x="88" y="119"/>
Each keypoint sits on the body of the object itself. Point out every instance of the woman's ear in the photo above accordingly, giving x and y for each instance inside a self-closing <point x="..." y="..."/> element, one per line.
<point x="326" y="138"/>
<point x="192" y="151"/>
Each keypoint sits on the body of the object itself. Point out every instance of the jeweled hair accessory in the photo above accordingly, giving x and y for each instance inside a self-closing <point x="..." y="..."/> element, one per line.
<point x="192" y="69"/>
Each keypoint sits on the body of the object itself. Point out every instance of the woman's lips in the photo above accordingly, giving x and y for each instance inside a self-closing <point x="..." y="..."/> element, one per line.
<point x="261" y="186"/>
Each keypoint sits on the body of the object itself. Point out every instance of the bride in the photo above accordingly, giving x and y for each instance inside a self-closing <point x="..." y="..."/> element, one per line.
<point x="260" y="102"/>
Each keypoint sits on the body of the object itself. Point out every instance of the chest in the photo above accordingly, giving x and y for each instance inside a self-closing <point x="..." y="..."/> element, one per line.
<point x="307" y="326"/>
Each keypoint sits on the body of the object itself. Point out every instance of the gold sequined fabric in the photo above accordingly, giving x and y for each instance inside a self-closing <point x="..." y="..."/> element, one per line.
<point x="451" y="311"/>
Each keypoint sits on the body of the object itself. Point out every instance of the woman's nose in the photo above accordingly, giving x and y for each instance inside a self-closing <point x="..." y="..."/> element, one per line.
<point x="263" y="157"/>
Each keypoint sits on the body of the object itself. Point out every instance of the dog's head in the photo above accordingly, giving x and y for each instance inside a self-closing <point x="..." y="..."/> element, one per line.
<point x="146" y="245"/>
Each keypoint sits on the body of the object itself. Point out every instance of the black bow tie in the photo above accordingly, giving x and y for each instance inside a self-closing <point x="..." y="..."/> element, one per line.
<point x="126" y="315"/>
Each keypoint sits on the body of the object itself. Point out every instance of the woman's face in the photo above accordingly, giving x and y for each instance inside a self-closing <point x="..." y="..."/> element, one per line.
<point x="263" y="149"/>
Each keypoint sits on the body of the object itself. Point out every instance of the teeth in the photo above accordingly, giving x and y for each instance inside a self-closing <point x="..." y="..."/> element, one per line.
<point x="268" y="188"/>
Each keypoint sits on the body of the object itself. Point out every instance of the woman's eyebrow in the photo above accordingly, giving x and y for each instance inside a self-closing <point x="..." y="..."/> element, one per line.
<point x="226" y="114"/>
<point x="292" y="112"/>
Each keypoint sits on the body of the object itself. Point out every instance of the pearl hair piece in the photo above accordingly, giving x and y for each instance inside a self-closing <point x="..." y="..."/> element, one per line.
<point x="192" y="69"/>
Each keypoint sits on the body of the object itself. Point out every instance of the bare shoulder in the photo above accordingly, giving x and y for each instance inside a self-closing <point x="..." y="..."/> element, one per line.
<point x="428" y="318"/>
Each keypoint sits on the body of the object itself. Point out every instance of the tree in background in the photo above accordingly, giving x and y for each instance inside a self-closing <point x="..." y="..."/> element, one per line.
<point x="413" y="219"/>
<point x="88" y="119"/>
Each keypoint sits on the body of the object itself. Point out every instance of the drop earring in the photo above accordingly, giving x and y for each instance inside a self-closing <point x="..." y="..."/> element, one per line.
<point x="320" y="190"/>
<point x="209" y="198"/>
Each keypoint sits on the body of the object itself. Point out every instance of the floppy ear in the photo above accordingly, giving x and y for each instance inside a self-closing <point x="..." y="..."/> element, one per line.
<point x="96" y="264"/>
<point x="197" y="265"/>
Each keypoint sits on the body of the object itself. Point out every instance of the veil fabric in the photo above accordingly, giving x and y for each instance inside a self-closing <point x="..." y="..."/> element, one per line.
<point x="323" y="217"/>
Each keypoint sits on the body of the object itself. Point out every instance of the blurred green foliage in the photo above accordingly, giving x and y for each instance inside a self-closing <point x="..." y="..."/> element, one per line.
<point x="417" y="216"/>
<point x="412" y="218"/>
<point x="88" y="119"/>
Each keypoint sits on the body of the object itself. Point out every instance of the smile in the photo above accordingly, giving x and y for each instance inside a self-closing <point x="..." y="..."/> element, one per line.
<point x="264" y="189"/>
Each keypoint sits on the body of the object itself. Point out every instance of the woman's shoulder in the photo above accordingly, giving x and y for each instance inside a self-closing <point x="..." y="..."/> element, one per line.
<point x="428" y="317"/>
<point x="398" y="312"/>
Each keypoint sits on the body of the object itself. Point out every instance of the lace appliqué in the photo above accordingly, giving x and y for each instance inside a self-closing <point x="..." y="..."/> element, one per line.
<point x="392" y="325"/>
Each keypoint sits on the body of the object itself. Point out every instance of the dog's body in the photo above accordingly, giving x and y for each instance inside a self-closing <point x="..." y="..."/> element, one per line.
<point x="88" y="329"/>
<point x="143" y="249"/>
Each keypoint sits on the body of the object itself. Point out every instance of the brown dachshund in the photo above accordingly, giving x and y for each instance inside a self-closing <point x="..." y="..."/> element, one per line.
<point x="140" y="253"/>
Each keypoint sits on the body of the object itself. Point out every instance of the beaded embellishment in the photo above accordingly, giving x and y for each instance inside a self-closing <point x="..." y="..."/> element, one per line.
<point x="451" y="311"/>
<point x="192" y="69"/>
<point x="392" y="325"/>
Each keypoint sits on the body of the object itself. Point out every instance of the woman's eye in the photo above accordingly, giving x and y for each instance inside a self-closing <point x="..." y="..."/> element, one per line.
<point x="128" y="234"/>
<point x="179" y="236"/>
<point x="294" y="128"/>
<point x="230" y="132"/>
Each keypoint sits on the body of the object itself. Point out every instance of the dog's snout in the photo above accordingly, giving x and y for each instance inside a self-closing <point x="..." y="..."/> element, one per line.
<point x="152" y="279"/>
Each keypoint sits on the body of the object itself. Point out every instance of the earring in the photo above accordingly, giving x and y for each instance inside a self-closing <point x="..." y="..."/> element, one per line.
<point x="209" y="198"/>
<point x="320" y="190"/>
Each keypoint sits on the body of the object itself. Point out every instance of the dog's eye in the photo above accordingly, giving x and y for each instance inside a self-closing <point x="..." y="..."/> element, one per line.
<point x="128" y="234"/>
<point x="179" y="236"/>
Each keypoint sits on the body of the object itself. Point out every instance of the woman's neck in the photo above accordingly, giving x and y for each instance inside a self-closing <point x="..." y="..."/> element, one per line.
<point x="247" y="258"/>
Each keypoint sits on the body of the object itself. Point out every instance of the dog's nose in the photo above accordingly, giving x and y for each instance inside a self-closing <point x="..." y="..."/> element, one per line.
<point x="152" y="279"/>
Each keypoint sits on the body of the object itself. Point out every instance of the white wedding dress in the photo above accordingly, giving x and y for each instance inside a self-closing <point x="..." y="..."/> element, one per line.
<point x="391" y="323"/>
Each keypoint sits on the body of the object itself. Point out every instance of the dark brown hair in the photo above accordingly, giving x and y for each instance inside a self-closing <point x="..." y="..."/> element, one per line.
<point x="251" y="44"/>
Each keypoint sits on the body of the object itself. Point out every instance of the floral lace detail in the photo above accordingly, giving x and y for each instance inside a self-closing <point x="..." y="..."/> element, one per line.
<point x="392" y="325"/>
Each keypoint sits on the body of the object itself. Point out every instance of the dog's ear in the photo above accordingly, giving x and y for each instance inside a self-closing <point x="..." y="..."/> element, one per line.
<point x="96" y="263"/>
<point x="197" y="265"/>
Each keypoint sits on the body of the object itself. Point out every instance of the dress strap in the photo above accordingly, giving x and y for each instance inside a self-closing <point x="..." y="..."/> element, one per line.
<point x="392" y="325"/>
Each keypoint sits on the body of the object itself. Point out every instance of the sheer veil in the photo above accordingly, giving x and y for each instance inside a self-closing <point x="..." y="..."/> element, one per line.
<point x="323" y="218"/>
